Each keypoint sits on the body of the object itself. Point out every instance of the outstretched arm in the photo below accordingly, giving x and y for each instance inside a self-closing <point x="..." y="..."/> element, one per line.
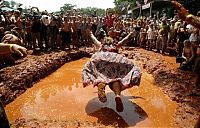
<point x="185" y="15"/>
<point x="94" y="39"/>
<point x="125" y="40"/>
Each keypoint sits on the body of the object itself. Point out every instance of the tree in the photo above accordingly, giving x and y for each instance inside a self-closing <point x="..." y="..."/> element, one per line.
<point x="5" y="3"/>
<point x="122" y="6"/>
<point x="67" y="7"/>
<point x="127" y="3"/>
<point x="93" y="11"/>
<point x="13" y="3"/>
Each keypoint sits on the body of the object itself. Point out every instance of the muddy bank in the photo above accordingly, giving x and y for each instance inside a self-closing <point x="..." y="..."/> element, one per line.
<point x="104" y="113"/>
<point x="178" y="85"/>
<point x="14" y="80"/>
<point x="54" y="124"/>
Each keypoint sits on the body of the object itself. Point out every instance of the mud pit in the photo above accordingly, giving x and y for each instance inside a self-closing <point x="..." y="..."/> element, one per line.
<point x="61" y="97"/>
<point x="60" y="101"/>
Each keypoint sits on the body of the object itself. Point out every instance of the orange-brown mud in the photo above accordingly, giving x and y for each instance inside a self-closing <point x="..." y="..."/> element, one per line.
<point x="14" y="80"/>
<point x="166" y="97"/>
<point x="61" y="97"/>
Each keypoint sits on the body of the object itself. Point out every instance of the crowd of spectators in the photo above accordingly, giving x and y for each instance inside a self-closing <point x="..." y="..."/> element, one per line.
<point x="47" y="31"/>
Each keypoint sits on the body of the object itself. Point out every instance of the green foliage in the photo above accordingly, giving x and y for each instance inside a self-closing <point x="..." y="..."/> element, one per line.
<point x="13" y="3"/>
<point x="88" y="11"/>
<point x="67" y="7"/>
<point x="92" y="11"/>
<point x="121" y="3"/>
<point x="6" y="3"/>
<point x="122" y="6"/>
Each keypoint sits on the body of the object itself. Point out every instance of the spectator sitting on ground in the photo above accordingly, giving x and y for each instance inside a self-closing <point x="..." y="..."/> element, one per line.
<point x="12" y="48"/>
<point x="187" y="51"/>
<point x="11" y="40"/>
<point x="187" y="55"/>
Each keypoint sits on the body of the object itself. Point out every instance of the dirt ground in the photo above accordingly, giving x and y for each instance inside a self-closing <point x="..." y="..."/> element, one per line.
<point x="177" y="84"/>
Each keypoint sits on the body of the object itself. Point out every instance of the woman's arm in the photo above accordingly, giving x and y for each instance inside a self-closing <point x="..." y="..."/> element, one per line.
<point x="125" y="39"/>
<point x="94" y="39"/>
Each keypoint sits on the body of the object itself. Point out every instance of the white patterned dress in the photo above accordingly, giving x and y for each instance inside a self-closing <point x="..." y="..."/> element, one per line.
<point x="107" y="66"/>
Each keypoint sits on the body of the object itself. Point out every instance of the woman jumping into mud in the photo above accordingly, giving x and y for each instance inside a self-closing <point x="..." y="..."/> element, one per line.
<point x="108" y="67"/>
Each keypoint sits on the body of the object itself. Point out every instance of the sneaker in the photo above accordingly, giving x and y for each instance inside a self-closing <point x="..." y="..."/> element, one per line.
<point x="101" y="92"/>
<point x="119" y="104"/>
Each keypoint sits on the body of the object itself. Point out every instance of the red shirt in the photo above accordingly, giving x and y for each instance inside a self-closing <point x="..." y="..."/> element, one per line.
<point x="109" y="21"/>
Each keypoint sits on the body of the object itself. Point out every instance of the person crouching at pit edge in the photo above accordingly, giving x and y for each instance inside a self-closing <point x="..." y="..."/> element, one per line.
<point x="13" y="42"/>
<point x="12" y="48"/>
<point x="108" y="67"/>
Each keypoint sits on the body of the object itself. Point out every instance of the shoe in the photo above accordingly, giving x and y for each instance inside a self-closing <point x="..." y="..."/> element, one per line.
<point x="119" y="104"/>
<point x="101" y="92"/>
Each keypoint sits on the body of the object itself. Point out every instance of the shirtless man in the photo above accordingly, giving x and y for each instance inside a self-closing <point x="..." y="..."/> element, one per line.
<point x="53" y="31"/>
<point x="119" y="25"/>
<point x="86" y="24"/>
<point x="114" y="33"/>
<point x="66" y="30"/>
<point x="18" y="23"/>
<point x="75" y="31"/>
<point x="79" y="22"/>
<point x="83" y="30"/>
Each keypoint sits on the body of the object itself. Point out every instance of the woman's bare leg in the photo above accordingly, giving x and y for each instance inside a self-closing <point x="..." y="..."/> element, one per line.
<point x="116" y="87"/>
<point x="101" y="92"/>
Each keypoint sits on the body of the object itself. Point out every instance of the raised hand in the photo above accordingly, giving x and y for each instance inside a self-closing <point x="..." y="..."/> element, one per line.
<point x="88" y="31"/>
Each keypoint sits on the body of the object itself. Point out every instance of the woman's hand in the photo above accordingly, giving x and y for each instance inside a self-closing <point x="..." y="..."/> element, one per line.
<point x="132" y="34"/>
<point x="88" y="32"/>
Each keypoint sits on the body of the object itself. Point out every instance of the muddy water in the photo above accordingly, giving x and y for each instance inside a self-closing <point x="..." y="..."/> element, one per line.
<point x="60" y="96"/>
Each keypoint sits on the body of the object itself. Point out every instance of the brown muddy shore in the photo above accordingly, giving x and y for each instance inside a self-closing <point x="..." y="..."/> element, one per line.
<point x="14" y="80"/>
<point x="177" y="84"/>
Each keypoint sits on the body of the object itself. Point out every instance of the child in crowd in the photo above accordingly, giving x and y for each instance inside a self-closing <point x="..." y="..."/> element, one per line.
<point x="187" y="50"/>
<point x="159" y="41"/>
<point x="150" y="37"/>
<point x="142" y="37"/>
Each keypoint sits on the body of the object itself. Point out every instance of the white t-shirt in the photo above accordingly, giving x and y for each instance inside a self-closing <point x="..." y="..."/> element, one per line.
<point x="150" y="34"/>
<point x="45" y="20"/>
<point x="193" y="36"/>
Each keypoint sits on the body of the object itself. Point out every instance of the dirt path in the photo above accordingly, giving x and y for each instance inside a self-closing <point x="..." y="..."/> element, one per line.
<point x="176" y="84"/>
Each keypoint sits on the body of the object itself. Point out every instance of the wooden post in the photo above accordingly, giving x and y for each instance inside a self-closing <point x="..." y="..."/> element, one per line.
<point x="150" y="9"/>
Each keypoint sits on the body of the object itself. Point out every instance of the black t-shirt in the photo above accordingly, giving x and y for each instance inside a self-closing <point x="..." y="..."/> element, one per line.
<point x="182" y="36"/>
<point x="137" y="29"/>
<point x="1" y="36"/>
<point x="94" y="28"/>
<point x="36" y="26"/>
